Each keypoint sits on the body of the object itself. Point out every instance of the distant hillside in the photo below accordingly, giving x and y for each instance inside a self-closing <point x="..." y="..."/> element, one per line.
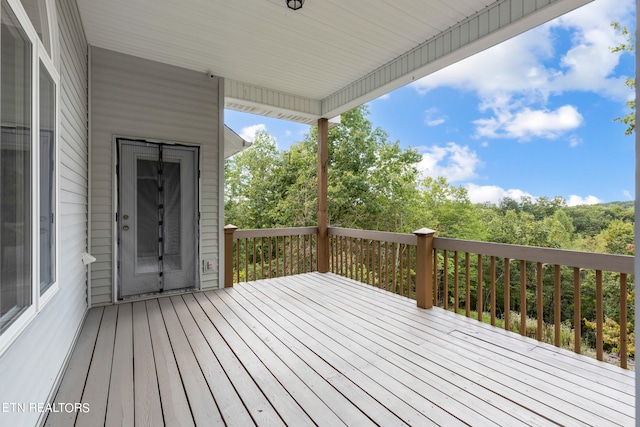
<point x="628" y="204"/>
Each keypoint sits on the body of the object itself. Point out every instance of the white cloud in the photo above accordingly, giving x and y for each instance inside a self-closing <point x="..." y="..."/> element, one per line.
<point x="433" y="117"/>
<point x="516" y="78"/>
<point x="248" y="133"/>
<point x="493" y="193"/>
<point x="484" y="144"/>
<point x="454" y="162"/>
<point x="384" y="97"/>
<point x="287" y="132"/>
<point x="574" y="141"/>
<point x="627" y="194"/>
<point x="529" y="123"/>
<point x="578" y="200"/>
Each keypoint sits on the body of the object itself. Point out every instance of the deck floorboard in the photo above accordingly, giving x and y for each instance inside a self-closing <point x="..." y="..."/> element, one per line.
<point x="320" y="349"/>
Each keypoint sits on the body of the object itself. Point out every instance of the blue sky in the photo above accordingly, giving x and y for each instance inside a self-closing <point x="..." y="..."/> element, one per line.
<point x="530" y="117"/>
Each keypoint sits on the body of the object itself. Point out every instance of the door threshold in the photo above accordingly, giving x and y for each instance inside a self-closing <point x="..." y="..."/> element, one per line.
<point x="154" y="295"/>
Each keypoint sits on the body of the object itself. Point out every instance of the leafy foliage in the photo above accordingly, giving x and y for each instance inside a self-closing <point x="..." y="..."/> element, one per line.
<point x="629" y="45"/>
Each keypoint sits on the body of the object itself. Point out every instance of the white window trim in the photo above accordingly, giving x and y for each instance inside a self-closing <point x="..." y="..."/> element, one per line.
<point x="43" y="299"/>
<point x="38" y="54"/>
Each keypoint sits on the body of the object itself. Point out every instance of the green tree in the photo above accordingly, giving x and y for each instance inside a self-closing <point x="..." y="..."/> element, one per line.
<point x="619" y="237"/>
<point x="249" y="197"/>
<point x="629" y="45"/>
<point x="447" y="209"/>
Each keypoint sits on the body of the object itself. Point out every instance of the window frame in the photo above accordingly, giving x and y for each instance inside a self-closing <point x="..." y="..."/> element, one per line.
<point x="43" y="298"/>
<point x="39" y="55"/>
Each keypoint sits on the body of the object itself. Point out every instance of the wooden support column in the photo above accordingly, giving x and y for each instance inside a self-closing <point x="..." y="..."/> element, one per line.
<point x="228" y="255"/>
<point x="424" y="267"/>
<point x="323" y="214"/>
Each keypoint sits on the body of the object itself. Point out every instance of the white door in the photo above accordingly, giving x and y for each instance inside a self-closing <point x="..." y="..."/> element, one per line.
<point x="157" y="217"/>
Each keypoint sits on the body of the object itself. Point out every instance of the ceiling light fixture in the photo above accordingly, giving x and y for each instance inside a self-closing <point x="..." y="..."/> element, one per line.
<point x="295" y="4"/>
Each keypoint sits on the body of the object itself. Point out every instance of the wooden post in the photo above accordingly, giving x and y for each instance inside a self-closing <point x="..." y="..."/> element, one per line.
<point x="424" y="266"/>
<point x="228" y="255"/>
<point x="323" y="215"/>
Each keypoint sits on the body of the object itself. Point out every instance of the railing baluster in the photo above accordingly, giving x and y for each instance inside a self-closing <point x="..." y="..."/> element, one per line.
<point x="456" y="281"/>
<point x="539" y="307"/>
<point x="379" y="264"/>
<point x="435" y="278"/>
<point x="361" y="265"/>
<point x="467" y="303"/>
<point x="277" y="257"/>
<point x="354" y="266"/>
<point x="298" y="254"/>
<point x="341" y="256"/>
<point x="368" y="258"/>
<point x="556" y="306"/>
<point x="577" y="318"/>
<point x="523" y="298"/>
<point x="304" y="254"/>
<point x="336" y="260"/>
<point x="401" y="271"/>
<point x="246" y="260"/>
<point x="291" y="255"/>
<point x="312" y="266"/>
<point x="493" y="290"/>
<point x="347" y="254"/>
<point x="386" y="266"/>
<point x="445" y="281"/>
<point x="238" y="260"/>
<point x="599" y="316"/>
<point x="479" y="289"/>
<point x="262" y="258"/>
<point x="255" y="276"/>
<point x="408" y="271"/>
<point x="507" y="294"/>
<point x="393" y="267"/>
<point x="270" y="257"/>
<point x="285" y="258"/>
<point x="623" y="321"/>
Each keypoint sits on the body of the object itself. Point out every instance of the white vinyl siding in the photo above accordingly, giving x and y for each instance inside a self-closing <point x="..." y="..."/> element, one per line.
<point x="137" y="98"/>
<point x="31" y="366"/>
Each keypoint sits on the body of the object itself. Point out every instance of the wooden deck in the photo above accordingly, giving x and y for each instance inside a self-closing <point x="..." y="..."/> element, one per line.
<point x="319" y="349"/>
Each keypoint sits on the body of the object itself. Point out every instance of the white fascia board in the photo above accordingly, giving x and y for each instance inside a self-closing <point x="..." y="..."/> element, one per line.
<point x="488" y="27"/>
<point x="260" y="100"/>
<point x="233" y="143"/>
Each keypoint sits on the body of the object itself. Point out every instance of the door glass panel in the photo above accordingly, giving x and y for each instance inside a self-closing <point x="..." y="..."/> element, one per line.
<point x="147" y="216"/>
<point x="158" y="218"/>
<point x="172" y="216"/>
<point x="15" y="170"/>
<point x="47" y="181"/>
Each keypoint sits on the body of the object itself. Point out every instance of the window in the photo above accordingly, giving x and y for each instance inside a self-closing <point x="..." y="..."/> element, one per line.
<point x="47" y="179"/>
<point x="37" y="12"/>
<point x="15" y="170"/>
<point x="28" y="171"/>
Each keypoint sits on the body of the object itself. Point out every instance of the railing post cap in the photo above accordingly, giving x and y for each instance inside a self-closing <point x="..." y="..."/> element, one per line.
<point x="230" y="227"/>
<point x="424" y="232"/>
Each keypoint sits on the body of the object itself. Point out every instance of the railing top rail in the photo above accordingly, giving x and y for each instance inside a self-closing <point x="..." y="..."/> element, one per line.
<point x="385" y="236"/>
<point x="588" y="260"/>
<point x="275" y="232"/>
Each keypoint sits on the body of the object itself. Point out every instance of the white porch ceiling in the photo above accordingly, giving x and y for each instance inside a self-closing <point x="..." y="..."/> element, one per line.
<point x="319" y="61"/>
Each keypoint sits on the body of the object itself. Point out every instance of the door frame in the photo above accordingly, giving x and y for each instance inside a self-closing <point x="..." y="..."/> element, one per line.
<point x="114" y="215"/>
